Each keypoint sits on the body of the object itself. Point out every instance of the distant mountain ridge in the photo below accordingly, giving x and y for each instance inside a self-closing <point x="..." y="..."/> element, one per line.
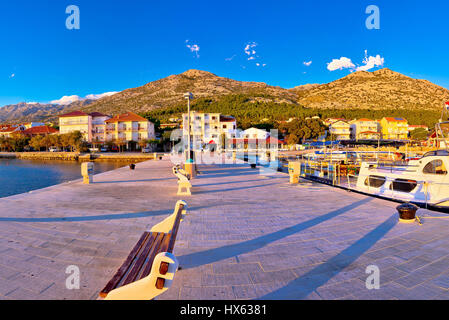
<point x="380" y="89"/>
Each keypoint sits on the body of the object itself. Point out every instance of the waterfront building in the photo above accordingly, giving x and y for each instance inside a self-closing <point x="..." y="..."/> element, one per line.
<point x="340" y="130"/>
<point x="209" y="127"/>
<point x="365" y="129"/>
<point x="394" y="128"/>
<point x="128" y="128"/>
<point x="39" y="131"/>
<point x="98" y="121"/>
<point x="91" y="125"/>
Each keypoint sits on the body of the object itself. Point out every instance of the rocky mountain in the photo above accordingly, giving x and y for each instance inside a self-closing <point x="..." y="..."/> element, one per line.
<point x="380" y="89"/>
<point x="169" y="92"/>
<point x="24" y="112"/>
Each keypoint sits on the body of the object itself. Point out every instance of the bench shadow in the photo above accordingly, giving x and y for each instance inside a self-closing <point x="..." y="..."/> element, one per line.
<point x="119" y="216"/>
<point x="144" y="180"/>
<point x="213" y="255"/>
<point x="228" y="182"/>
<point x="308" y="283"/>
<point x="233" y="189"/>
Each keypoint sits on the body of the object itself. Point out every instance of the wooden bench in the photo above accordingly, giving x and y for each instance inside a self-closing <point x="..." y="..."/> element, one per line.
<point x="184" y="184"/>
<point x="150" y="267"/>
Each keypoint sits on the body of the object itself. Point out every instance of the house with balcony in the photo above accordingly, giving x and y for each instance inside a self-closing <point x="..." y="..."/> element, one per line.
<point x="129" y="128"/>
<point x="365" y="129"/>
<point x="394" y="128"/>
<point x="91" y="125"/>
<point x="340" y="130"/>
<point x="208" y="128"/>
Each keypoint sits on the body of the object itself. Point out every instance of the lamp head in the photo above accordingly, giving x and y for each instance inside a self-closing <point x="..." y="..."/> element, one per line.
<point x="188" y="96"/>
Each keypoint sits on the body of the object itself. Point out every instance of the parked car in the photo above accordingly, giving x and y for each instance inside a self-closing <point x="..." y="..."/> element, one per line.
<point x="53" y="149"/>
<point x="146" y="150"/>
<point x="94" y="150"/>
<point x="114" y="149"/>
<point x="104" y="149"/>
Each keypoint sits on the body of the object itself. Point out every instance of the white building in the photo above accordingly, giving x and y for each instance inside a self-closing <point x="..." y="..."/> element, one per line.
<point x="209" y="127"/>
<point x="254" y="133"/>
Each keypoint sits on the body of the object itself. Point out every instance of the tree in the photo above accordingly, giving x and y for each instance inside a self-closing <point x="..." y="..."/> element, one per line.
<point x="419" y="134"/>
<point x="36" y="143"/>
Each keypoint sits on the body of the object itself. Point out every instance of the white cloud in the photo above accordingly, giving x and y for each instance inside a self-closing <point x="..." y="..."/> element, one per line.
<point x="99" y="96"/>
<point x="194" y="48"/>
<point x="371" y="62"/>
<point x="249" y="49"/>
<point x="65" y="100"/>
<point x="307" y="63"/>
<point x="231" y="58"/>
<point x="340" y="64"/>
<point x="12" y="75"/>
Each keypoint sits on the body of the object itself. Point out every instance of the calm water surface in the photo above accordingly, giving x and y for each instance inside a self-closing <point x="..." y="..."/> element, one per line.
<point x="19" y="176"/>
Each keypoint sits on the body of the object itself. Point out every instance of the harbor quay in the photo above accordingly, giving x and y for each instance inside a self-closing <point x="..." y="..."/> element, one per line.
<point x="248" y="234"/>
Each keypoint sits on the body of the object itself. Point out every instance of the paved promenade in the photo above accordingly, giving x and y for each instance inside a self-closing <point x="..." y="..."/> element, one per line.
<point x="247" y="236"/>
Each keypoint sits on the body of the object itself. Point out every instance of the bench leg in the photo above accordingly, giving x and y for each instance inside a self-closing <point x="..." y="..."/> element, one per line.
<point x="187" y="191"/>
<point x="147" y="288"/>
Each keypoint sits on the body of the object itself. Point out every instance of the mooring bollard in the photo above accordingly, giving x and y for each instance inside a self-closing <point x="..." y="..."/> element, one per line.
<point x="87" y="170"/>
<point x="294" y="170"/>
<point x="407" y="212"/>
<point x="132" y="166"/>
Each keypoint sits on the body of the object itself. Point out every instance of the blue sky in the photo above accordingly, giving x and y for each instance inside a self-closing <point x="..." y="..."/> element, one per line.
<point x="125" y="44"/>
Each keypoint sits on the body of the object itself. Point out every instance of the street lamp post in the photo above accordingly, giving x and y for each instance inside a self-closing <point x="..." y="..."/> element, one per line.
<point x="188" y="96"/>
<point x="189" y="166"/>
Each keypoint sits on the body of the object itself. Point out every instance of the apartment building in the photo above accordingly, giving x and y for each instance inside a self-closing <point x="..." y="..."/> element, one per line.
<point x="365" y="129"/>
<point x="128" y="127"/>
<point x="394" y="128"/>
<point x="76" y="121"/>
<point x="209" y="127"/>
<point x="340" y="130"/>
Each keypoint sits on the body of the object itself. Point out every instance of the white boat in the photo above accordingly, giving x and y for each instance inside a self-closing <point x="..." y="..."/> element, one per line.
<point x="424" y="181"/>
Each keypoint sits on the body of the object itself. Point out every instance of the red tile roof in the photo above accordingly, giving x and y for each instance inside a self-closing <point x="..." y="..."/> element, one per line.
<point x="97" y="114"/>
<point x="129" y="116"/>
<point x="8" y="128"/>
<point x="77" y="113"/>
<point x="226" y="119"/>
<point x="40" y="130"/>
